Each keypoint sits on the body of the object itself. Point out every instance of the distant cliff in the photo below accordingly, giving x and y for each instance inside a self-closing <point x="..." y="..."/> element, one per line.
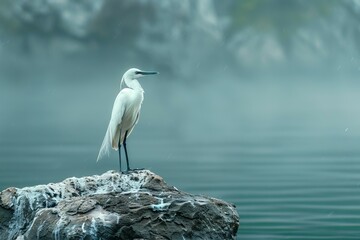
<point x="138" y="205"/>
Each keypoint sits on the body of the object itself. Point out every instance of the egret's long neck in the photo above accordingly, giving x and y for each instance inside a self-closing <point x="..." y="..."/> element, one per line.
<point x="133" y="84"/>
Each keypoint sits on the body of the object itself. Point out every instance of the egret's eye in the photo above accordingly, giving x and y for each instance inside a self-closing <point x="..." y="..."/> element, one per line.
<point x="137" y="72"/>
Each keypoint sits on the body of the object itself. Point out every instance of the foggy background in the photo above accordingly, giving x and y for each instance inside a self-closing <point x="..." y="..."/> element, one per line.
<point x="254" y="98"/>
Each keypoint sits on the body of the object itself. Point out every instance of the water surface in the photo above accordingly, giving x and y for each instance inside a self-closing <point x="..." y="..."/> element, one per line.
<point x="293" y="179"/>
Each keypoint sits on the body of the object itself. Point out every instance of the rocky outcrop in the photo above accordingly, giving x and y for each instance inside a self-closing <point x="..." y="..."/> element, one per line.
<point x="137" y="205"/>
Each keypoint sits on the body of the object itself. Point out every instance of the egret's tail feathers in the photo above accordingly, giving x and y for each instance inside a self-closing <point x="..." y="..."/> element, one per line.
<point x="111" y="137"/>
<point x="106" y="145"/>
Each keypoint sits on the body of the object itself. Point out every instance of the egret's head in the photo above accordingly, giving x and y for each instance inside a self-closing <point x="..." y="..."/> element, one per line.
<point x="134" y="73"/>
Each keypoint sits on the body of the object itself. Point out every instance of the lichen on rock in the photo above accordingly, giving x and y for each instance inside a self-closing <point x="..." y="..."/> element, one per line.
<point x="113" y="206"/>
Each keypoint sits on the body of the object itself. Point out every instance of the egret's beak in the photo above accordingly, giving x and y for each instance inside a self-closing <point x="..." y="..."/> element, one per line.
<point x="148" y="72"/>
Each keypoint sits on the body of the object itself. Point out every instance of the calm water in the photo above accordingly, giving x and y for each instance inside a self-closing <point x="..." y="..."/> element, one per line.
<point x="283" y="187"/>
<point x="301" y="183"/>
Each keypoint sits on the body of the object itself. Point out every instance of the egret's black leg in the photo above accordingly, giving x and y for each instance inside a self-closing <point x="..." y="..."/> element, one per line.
<point x="126" y="154"/>
<point x="119" y="146"/>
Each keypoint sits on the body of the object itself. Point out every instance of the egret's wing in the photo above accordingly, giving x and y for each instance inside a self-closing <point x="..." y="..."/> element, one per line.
<point x="113" y="130"/>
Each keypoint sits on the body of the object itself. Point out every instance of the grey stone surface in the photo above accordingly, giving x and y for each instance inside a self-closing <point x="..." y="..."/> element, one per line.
<point x="138" y="205"/>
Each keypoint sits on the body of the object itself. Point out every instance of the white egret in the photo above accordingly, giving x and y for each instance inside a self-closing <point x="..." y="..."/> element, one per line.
<point x="125" y="113"/>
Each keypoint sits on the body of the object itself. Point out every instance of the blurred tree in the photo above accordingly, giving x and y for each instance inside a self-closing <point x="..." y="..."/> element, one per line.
<point x="41" y="21"/>
<point x="120" y="21"/>
<point x="281" y="18"/>
<point x="81" y="22"/>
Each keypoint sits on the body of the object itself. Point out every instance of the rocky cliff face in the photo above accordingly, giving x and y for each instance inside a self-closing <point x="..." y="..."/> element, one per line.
<point x="138" y="205"/>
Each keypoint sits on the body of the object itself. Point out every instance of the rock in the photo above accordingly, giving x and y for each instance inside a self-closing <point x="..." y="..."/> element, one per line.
<point x="138" y="205"/>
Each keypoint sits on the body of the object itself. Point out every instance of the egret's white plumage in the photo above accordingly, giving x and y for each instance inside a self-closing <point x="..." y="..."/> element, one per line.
<point x="125" y="112"/>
